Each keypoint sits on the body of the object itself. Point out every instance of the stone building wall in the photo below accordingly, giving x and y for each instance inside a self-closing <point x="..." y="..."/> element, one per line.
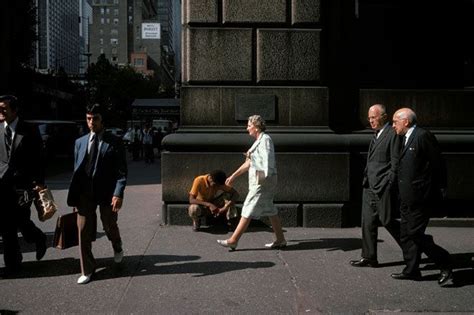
<point x="296" y="63"/>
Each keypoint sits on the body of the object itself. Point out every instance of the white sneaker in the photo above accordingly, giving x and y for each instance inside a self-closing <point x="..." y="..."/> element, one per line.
<point x="84" y="279"/>
<point x="118" y="257"/>
<point x="276" y="245"/>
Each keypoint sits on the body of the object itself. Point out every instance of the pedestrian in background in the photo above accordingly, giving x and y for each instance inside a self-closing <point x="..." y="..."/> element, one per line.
<point x="422" y="183"/>
<point x="99" y="180"/>
<point x="260" y="164"/>
<point x="21" y="171"/>
<point x="148" y="144"/>
<point x="379" y="195"/>
<point x="136" y="138"/>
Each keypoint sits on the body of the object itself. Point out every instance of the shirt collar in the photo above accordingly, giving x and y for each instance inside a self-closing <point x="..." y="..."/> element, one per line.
<point x="379" y="132"/>
<point x="99" y="135"/>
<point x="12" y="125"/>
<point x="409" y="132"/>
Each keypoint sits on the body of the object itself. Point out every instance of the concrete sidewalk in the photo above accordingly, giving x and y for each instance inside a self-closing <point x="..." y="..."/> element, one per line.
<point x="172" y="270"/>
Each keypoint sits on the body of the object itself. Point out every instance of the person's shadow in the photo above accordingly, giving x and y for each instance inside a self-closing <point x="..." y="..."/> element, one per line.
<point x="137" y="265"/>
<point x="331" y="244"/>
<point x="29" y="248"/>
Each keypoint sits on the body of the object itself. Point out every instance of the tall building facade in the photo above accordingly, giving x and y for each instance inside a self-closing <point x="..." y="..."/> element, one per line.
<point x="146" y="38"/>
<point x="58" y="45"/>
<point x="140" y="33"/>
<point x="109" y="32"/>
<point x="85" y="20"/>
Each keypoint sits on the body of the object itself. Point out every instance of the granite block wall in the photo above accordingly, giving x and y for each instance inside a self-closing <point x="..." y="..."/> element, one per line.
<point x="297" y="63"/>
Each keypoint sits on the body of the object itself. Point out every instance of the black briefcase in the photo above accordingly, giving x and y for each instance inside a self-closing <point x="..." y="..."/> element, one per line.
<point x="66" y="233"/>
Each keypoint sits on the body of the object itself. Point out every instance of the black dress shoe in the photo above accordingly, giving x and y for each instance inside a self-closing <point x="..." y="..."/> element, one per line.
<point x="445" y="277"/>
<point x="41" y="248"/>
<point x="364" y="262"/>
<point x="407" y="276"/>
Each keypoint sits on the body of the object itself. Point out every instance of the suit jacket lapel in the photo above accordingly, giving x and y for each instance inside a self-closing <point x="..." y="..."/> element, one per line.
<point x="19" y="131"/>
<point x="410" y="140"/>
<point x="3" y="147"/>
<point x="82" y="151"/>
<point x="377" y="141"/>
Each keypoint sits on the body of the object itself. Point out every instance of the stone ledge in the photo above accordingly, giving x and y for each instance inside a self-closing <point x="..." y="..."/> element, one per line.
<point x="323" y="215"/>
<point x="317" y="140"/>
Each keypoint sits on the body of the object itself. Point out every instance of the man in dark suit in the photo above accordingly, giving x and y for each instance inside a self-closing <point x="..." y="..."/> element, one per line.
<point x="379" y="199"/>
<point x="21" y="171"/>
<point x="421" y="182"/>
<point x="99" y="179"/>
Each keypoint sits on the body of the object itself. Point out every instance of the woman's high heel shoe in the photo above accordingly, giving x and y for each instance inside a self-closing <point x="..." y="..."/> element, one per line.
<point x="276" y="245"/>
<point x="224" y="243"/>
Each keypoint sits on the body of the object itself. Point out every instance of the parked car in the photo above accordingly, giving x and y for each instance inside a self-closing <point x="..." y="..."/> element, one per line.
<point x="115" y="131"/>
<point x="58" y="136"/>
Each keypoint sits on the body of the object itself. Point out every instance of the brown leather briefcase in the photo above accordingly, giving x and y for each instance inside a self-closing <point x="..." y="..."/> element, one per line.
<point x="66" y="233"/>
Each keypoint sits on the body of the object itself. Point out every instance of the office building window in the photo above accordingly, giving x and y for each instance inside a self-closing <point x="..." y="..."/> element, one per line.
<point x="108" y="21"/>
<point x="102" y="21"/>
<point x="102" y="11"/>
<point x="114" y="41"/>
<point x="101" y="51"/>
<point x="114" y="50"/>
<point x="101" y="41"/>
<point x="116" y="1"/>
<point x="101" y="32"/>
<point x="116" y="12"/>
<point x="138" y="62"/>
<point x="113" y="32"/>
<point x="116" y="21"/>
<point x="114" y="59"/>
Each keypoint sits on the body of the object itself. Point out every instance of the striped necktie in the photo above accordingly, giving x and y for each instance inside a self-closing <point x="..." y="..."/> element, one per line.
<point x="8" y="139"/>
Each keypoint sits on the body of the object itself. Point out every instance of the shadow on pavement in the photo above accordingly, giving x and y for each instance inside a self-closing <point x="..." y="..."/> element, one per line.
<point x="331" y="244"/>
<point x="28" y="248"/>
<point x="136" y="266"/>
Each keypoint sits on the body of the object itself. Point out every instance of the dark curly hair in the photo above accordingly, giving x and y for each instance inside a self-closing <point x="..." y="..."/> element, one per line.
<point x="218" y="177"/>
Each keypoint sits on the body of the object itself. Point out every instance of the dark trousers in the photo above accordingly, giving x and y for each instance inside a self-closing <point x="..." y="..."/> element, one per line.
<point x="87" y="226"/>
<point x="377" y="210"/>
<point x="414" y="220"/>
<point x="16" y="218"/>
<point x="149" y="154"/>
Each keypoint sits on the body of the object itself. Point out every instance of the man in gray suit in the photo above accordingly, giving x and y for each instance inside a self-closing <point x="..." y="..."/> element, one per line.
<point x="21" y="171"/>
<point x="99" y="180"/>
<point x="378" y="198"/>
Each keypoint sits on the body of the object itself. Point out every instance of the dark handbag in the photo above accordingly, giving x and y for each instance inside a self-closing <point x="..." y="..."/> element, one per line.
<point x="66" y="234"/>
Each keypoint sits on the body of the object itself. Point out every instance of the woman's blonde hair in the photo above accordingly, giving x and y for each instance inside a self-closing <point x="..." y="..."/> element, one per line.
<point x="258" y="122"/>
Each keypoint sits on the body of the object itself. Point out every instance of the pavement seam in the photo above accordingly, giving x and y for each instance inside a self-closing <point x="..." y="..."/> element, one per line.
<point x="302" y="305"/>
<point x="119" y="304"/>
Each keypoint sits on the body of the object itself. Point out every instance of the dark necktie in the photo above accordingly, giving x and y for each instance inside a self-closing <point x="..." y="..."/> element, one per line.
<point x="92" y="156"/>
<point x="8" y="139"/>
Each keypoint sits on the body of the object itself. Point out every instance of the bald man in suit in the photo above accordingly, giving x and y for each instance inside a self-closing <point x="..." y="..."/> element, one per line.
<point x="421" y="182"/>
<point x="379" y="198"/>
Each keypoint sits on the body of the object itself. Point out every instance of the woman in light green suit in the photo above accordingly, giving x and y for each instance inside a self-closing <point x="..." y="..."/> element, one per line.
<point x="260" y="164"/>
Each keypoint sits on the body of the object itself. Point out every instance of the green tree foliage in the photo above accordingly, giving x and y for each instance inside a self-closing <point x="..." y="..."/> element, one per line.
<point x="117" y="88"/>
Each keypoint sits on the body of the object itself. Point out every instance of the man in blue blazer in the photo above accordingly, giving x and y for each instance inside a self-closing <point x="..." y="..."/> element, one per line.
<point x="421" y="183"/>
<point x="99" y="180"/>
